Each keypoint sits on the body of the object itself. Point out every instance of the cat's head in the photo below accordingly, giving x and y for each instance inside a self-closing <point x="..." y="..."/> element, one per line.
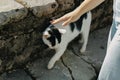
<point x="52" y="36"/>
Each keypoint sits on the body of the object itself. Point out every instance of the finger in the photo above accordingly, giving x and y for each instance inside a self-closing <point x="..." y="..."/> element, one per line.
<point x="58" y="20"/>
<point x="51" y="21"/>
<point x="67" y="22"/>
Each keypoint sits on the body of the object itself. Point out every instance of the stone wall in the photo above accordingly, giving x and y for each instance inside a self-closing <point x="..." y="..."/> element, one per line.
<point x="102" y="15"/>
<point x="21" y="28"/>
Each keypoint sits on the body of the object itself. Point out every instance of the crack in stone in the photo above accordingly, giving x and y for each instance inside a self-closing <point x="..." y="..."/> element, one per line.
<point x="70" y="71"/>
<point x="93" y="68"/>
<point x="29" y="73"/>
<point x="86" y="62"/>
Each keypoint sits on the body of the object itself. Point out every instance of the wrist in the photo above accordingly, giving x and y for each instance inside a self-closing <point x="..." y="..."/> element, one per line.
<point x="77" y="13"/>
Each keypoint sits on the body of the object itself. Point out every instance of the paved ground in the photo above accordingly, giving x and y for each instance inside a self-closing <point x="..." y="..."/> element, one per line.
<point x="71" y="66"/>
<point x="97" y="44"/>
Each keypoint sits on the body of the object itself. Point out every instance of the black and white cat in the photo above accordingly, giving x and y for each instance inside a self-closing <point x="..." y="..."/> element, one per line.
<point x="58" y="37"/>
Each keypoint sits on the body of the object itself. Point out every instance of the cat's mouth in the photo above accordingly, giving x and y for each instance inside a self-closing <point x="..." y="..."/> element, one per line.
<point x="53" y="47"/>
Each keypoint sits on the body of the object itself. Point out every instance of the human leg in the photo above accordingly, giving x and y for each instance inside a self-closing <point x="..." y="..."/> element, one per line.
<point x="112" y="32"/>
<point x="110" y="68"/>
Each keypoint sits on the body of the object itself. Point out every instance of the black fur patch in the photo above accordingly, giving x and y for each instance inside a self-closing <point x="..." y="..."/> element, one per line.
<point x="72" y="26"/>
<point x="51" y="38"/>
<point x="79" y="22"/>
<point x="55" y="34"/>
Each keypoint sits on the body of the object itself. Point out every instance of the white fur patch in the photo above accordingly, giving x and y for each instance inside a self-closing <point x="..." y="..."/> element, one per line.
<point x="46" y="34"/>
<point x="62" y="31"/>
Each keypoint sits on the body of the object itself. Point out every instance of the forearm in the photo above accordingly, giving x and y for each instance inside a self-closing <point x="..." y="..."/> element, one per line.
<point x="87" y="5"/>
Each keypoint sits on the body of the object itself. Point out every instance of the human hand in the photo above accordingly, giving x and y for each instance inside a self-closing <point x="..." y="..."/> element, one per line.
<point x="67" y="18"/>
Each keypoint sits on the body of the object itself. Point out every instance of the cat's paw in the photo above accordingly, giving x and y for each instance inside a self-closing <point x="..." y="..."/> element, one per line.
<point x="50" y="66"/>
<point x="52" y="62"/>
<point x="82" y="50"/>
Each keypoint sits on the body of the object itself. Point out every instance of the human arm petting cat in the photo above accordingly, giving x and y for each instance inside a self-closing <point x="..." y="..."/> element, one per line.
<point x="86" y="6"/>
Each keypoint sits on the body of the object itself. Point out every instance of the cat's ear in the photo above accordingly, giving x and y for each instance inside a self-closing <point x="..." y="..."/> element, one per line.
<point x="46" y="34"/>
<point x="62" y="31"/>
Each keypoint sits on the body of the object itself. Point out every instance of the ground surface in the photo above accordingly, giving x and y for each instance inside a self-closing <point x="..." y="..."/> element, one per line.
<point x="72" y="66"/>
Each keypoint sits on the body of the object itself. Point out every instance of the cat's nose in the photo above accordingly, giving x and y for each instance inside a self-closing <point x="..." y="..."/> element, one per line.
<point x="45" y="36"/>
<point x="51" y="47"/>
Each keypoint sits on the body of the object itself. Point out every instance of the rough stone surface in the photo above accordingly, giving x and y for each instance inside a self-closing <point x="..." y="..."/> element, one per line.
<point x="41" y="11"/>
<point x="98" y="40"/>
<point x="72" y="66"/>
<point x="33" y="3"/>
<point x="1" y="78"/>
<point x="16" y="75"/>
<point x="8" y="5"/>
<point x="102" y="15"/>
<point x="18" y="35"/>
<point x="21" y="29"/>
<point x="79" y="68"/>
<point x="39" y="70"/>
<point x="96" y="47"/>
<point x="12" y="11"/>
<point x="13" y="15"/>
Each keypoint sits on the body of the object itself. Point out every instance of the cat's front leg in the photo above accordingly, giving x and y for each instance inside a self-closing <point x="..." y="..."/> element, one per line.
<point x="51" y="63"/>
<point x="57" y="56"/>
<point x="83" y="48"/>
<point x="82" y="39"/>
<point x="85" y="35"/>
